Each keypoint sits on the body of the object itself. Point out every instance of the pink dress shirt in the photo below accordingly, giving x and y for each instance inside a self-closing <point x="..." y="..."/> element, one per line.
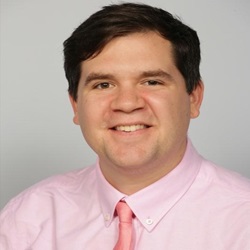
<point x="197" y="206"/>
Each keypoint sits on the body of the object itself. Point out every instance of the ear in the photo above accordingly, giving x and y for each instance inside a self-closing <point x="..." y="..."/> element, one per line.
<point x="196" y="98"/>
<point x="75" y="110"/>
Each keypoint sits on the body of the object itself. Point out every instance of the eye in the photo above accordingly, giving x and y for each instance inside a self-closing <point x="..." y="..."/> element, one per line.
<point x="102" y="85"/>
<point x="152" y="83"/>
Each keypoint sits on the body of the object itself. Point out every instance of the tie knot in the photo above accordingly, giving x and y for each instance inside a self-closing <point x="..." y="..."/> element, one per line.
<point x="124" y="212"/>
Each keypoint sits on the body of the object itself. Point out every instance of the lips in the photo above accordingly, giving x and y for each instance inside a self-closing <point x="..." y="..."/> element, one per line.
<point x="130" y="128"/>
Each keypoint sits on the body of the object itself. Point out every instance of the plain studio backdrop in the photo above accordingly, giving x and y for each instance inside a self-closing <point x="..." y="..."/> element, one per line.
<point x="38" y="137"/>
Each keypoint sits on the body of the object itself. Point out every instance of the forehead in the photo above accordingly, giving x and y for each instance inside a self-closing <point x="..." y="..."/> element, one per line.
<point x="137" y="49"/>
<point x="131" y="58"/>
<point x="130" y="36"/>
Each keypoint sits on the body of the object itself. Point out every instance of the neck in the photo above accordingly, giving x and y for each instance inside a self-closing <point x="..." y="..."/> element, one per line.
<point x="130" y="183"/>
<point x="129" y="180"/>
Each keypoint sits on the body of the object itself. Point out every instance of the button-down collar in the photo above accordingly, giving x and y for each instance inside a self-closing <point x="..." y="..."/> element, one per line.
<point x="152" y="203"/>
<point x="108" y="196"/>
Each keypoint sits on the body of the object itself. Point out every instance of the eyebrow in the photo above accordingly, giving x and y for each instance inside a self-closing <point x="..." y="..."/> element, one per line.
<point x="157" y="73"/>
<point x="149" y="73"/>
<point x="97" y="76"/>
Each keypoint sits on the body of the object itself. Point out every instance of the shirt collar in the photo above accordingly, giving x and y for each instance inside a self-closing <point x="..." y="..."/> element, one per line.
<point x="152" y="203"/>
<point x="108" y="196"/>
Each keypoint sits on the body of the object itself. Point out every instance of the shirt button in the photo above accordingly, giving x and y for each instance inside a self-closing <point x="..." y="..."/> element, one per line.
<point x="106" y="217"/>
<point x="149" y="221"/>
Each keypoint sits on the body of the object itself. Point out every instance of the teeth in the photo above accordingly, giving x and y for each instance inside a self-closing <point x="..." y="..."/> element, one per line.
<point x="131" y="128"/>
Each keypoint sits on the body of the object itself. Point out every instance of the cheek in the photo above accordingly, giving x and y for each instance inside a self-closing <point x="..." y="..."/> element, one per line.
<point x="183" y="114"/>
<point x="92" y="113"/>
<point x="163" y="104"/>
<point x="173" y="109"/>
<point x="88" y="119"/>
<point x="87" y="115"/>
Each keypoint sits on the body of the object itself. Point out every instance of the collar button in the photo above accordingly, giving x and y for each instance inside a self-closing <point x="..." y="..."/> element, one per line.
<point x="149" y="221"/>
<point x="106" y="217"/>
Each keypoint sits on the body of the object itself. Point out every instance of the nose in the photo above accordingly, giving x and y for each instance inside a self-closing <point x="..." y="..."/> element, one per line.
<point x="127" y="99"/>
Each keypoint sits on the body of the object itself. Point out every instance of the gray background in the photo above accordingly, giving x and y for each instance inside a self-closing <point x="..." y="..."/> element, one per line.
<point x="38" y="137"/>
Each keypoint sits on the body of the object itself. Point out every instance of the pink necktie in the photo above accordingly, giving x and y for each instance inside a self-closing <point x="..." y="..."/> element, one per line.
<point x="125" y="226"/>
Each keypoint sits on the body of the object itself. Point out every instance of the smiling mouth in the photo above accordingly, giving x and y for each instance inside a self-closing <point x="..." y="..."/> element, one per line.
<point x="130" y="128"/>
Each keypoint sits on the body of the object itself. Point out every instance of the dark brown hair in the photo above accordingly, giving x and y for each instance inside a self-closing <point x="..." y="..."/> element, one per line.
<point x="123" y="19"/>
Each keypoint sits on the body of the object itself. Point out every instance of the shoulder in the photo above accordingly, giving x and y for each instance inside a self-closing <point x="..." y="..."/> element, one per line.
<point x="224" y="181"/>
<point x="40" y="206"/>
<point x="55" y="188"/>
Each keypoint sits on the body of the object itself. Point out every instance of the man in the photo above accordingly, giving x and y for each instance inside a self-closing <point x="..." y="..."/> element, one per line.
<point x="134" y="85"/>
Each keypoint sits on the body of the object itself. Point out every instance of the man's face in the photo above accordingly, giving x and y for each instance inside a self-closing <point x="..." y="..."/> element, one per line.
<point x="132" y="105"/>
